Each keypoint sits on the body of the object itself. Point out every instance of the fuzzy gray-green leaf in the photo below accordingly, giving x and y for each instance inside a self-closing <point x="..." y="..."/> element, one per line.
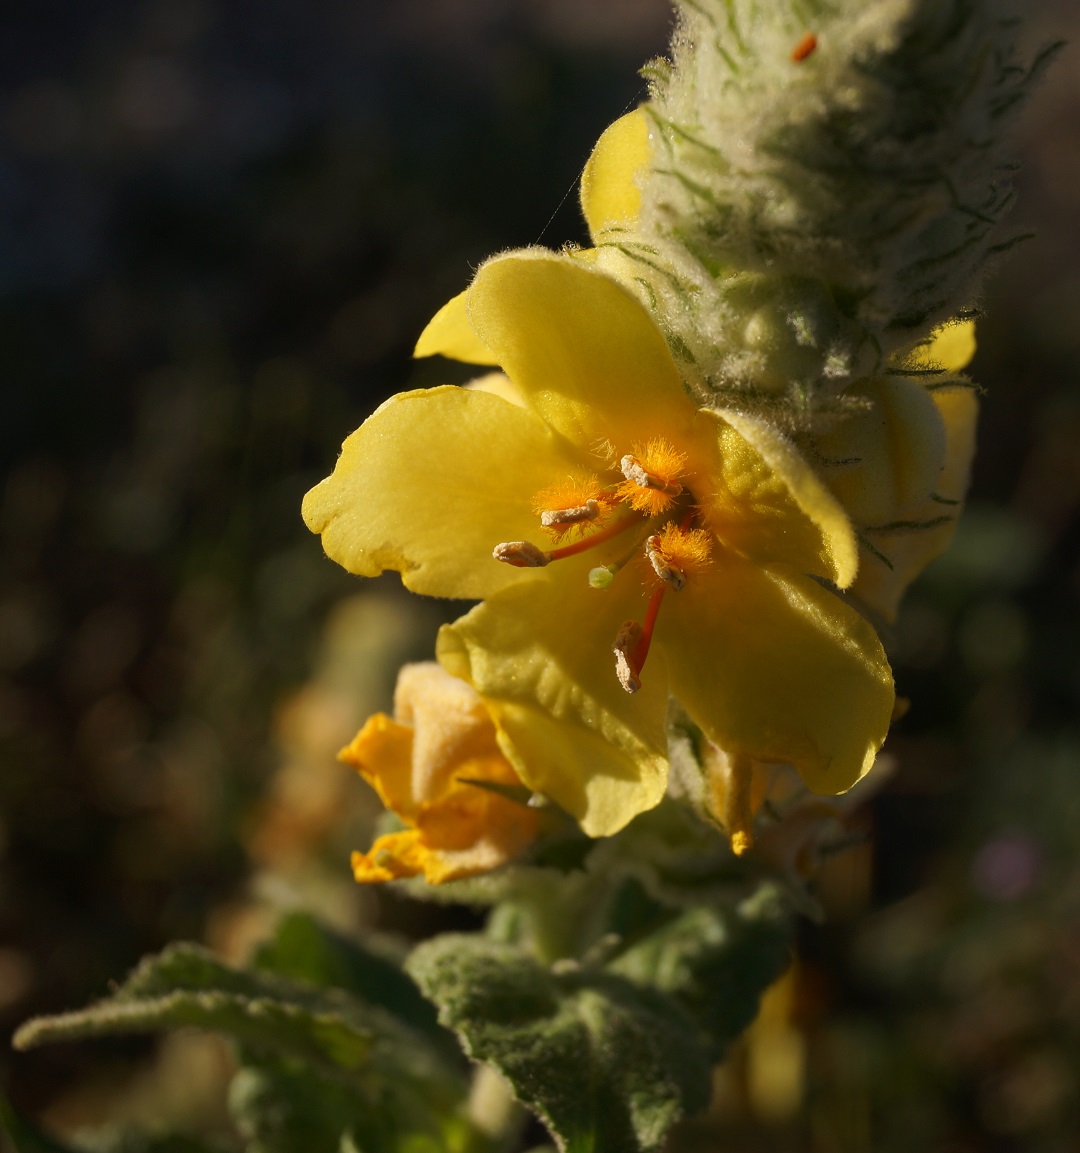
<point x="187" y="986"/>
<point x="715" y="963"/>
<point x="328" y="1029"/>
<point x="303" y="950"/>
<point x="608" y="1065"/>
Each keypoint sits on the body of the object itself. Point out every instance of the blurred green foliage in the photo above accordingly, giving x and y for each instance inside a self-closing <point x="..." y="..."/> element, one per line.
<point x="223" y="228"/>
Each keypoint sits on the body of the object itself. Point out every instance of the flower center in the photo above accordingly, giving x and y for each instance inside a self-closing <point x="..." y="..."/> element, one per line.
<point x="651" y="498"/>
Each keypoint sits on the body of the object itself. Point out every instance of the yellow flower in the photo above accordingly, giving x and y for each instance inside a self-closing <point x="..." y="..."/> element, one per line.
<point x="901" y="466"/>
<point x="422" y="765"/>
<point x="708" y="547"/>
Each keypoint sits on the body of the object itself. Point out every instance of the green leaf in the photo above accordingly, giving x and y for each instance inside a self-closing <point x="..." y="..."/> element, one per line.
<point x="186" y="986"/>
<point x="302" y="949"/>
<point x="318" y="1062"/>
<point x="715" y="963"/>
<point x="279" y="1106"/>
<point x="328" y="1029"/>
<point x="608" y="1065"/>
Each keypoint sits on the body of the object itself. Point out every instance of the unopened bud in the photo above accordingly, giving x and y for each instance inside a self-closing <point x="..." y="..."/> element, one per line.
<point x="601" y="577"/>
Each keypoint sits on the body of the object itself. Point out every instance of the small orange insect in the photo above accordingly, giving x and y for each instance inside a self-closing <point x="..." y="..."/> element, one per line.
<point x="805" y="46"/>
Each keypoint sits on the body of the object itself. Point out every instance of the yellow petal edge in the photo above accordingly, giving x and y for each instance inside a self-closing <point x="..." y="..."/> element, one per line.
<point x="449" y="333"/>
<point x="610" y="195"/>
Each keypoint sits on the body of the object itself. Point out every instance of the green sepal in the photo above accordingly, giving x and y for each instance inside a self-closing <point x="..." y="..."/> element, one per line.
<point x="813" y="213"/>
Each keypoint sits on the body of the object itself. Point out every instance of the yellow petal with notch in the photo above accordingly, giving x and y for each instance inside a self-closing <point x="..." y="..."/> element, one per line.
<point x="583" y="351"/>
<point x="430" y="483"/>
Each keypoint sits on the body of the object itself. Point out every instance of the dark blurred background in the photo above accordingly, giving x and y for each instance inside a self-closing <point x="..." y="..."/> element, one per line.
<point x="222" y="226"/>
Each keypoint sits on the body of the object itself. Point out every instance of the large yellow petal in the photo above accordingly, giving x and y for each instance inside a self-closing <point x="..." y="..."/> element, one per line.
<point x="888" y="457"/>
<point x="449" y="333"/>
<point x="430" y="483"/>
<point x="926" y="534"/>
<point x="541" y="656"/>
<point x="775" y="667"/>
<point x="585" y="354"/>
<point x="610" y="195"/>
<point x="772" y="506"/>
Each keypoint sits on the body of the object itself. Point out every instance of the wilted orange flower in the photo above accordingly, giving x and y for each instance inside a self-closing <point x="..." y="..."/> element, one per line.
<point x="434" y="767"/>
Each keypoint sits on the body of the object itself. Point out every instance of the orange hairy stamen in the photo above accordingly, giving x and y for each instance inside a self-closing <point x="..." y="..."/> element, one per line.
<point x="677" y="552"/>
<point x="652" y="475"/>
<point x="573" y="502"/>
<point x="632" y="644"/>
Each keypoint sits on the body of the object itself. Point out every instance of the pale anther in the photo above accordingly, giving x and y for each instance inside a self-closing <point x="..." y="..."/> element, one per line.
<point x="520" y="554"/>
<point x="666" y="571"/>
<point x="635" y="471"/>
<point x="626" y="643"/>
<point x="551" y="517"/>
